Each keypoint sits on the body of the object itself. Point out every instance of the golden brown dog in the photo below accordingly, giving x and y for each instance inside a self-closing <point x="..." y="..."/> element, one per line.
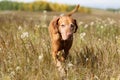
<point x="61" y="31"/>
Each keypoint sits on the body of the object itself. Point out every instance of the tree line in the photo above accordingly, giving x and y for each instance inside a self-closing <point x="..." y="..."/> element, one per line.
<point x="39" y="6"/>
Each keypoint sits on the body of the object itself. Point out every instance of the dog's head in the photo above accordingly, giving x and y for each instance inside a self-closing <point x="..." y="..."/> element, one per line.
<point x="66" y="26"/>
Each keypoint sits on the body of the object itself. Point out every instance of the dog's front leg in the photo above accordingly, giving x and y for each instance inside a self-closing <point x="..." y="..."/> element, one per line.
<point x="54" y="55"/>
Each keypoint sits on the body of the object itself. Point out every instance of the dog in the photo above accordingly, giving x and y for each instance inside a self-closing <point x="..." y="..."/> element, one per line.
<point x="61" y="30"/>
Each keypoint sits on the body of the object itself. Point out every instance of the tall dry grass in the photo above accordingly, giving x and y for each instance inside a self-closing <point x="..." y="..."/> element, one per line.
<point x="25" y="49"/>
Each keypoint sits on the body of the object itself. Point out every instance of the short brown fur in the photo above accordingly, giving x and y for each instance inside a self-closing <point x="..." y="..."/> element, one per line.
<point x="61" y="31"/>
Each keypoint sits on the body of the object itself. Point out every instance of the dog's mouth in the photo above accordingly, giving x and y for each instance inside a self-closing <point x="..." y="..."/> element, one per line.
<point x="66" y="36"/>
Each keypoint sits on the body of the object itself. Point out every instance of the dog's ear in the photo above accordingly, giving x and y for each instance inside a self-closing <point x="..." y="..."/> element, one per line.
<point x="76" y="26"/>
<point x="54" y="24"/>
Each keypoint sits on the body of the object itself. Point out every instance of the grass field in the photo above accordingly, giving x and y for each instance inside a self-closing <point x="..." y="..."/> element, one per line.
<point x="25" y="47"/>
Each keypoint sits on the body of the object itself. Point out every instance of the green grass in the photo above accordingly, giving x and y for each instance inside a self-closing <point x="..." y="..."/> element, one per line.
<point x="25" y="49"/>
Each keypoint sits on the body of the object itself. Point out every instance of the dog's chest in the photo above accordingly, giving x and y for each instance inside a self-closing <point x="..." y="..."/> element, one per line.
<point x="65" y="44"/>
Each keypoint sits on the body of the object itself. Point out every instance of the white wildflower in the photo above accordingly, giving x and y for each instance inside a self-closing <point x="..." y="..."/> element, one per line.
<point x="70" y="65"/>
<point x="101" y="27"/>
<point x="19" y="28"/>
<point x="18" y="68"/>
<point x="98" y="20"/>
<point x="99" y="39"/>
<point x="118" y="50"/>
<point x="80" y="23"/>
<point x="12" y="74"/>
<point x="96" y="77"/>
<point x="44" y="11"/>
<point x="92" y="23"/>
<point x="112" y="22"/>
<point x="24" y="35"/>
<point x="82" y="35"/>
<point x="40" y="57"/>
<point x="44" y="25"/>
<point x="86" y="25"/>
<point x="0" y="49"/>
<point x="86" y="59"/>
<point x="108" y="19"/>
<point x="28" y="60"/>
<point x="44" y="18"/>
<point x="116" y="37"/>
<point x="37" y="26"/>
<point x="105" y="24"/>
<point x="62" y="14"/>
<point x="9" y="61"/>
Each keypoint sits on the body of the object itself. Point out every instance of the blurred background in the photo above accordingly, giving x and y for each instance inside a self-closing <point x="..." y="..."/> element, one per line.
<point x="25" y="51"/>
<point x="59" y="5"/>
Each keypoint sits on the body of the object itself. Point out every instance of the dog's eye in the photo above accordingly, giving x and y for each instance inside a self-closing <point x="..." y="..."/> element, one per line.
<point x="63" y="25"/>
<point x="71" y="25"/>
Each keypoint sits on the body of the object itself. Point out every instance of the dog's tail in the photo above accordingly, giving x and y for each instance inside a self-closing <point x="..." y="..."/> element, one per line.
<point x="73" y="11"/>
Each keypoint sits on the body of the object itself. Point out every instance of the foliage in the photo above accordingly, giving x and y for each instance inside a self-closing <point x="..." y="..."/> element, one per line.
<point x="39" y="6"/>
<point x="113" y="10"/>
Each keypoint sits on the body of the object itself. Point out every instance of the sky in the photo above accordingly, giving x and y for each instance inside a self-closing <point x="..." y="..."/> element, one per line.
<point x="102" y="4"/>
